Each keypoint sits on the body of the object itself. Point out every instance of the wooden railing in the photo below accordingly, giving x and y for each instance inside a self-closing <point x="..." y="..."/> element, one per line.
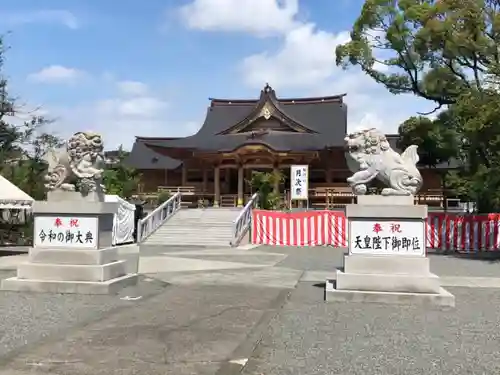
<point x="184" y="190"/>
<point x="333" y="197"/>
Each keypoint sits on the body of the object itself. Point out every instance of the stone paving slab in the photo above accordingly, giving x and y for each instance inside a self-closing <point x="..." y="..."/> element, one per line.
<point x="310" y="337"/>
<point x="184" y="330"/>
<point x="157" y="264"/>
<point x="250" y="258"/>
<point x="270" y="277"/>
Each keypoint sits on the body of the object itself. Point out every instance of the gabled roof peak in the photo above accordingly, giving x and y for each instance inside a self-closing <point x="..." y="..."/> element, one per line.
<point x="266" y="107"/>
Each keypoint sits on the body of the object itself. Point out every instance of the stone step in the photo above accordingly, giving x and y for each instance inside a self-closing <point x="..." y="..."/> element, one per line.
<point x="112" y="286"/>
<point x="388" y="282"/>
<point x="71" y="272"/>
<point x="196" y="227"/>
<point x="199" y="231"/>
<point x="81" y="257"/>
<point x="198" y="224"/>
<point x="204" y="245"/>
<point x="187" y="237"/>
<point x="188" y="240"/>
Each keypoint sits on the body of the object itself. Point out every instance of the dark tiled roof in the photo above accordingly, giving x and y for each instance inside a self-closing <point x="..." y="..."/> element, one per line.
<point x="143" y="157"/>
<point x="323" y="120"/>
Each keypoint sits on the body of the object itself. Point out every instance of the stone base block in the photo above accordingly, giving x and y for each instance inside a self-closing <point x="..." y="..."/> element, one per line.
<point x="75" y="257"/>
<point x="74" y="208"/>
<point x="71" y="272"/>
<point x="386" y="211"/>
<point x="381" y="200"/>
<point x="388" y="282"/>
<point x="69" y="287"/>
<point x="61" y="195"/>
<point x="380" y="264"/>
<point x="442" y="298"/>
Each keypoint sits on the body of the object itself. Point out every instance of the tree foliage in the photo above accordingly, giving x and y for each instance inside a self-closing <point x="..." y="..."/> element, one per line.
<point x="436" y="49"/>
<point x="24" y="142"/>
<point x="119" y="179"/>
<point x="436" y="139"/>
<point x="263" y="183"/>
<point x="445" y="51"/>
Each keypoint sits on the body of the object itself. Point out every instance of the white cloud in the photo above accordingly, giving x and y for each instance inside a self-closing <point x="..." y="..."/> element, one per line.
<point x="57" y="16"/>
<point x="121" y="116"/>
<point x="56" y="74"/>
<point x="304" y="63"/>
<point x="305" y="58"/>
<point x="132" y="88"/>
<point x="138" y="107"/>
<point x="258" y="17"/>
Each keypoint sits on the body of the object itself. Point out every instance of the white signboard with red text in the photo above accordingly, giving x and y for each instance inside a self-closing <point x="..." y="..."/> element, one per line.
<point x="387" y="237"/>
<point x="66" y="232"/>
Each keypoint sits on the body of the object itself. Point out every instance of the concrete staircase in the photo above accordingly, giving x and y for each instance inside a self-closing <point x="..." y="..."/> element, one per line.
<point x="211" y="227"/>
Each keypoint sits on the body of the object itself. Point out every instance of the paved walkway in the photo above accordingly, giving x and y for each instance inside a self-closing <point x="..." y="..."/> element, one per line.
<point x="256" y="310"/>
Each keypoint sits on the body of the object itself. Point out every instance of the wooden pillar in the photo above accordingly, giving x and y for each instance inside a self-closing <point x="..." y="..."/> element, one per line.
<point x="227" y="180"/>
<point x="276" y="171"/>
<point x="329" y="176"/>
<point x="205" y="179"/>
<point x="184" y="175"/>
<point x="216" y="186"/>
<point x="241" y="176"/>
<point x="165" y="180"/>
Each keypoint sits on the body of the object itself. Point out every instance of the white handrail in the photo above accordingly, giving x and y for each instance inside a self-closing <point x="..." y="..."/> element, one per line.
<point x="242" y="223"/>
<point x="158" y="216"/>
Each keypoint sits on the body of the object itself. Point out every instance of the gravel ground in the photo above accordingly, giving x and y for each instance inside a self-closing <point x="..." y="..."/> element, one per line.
<point x="310" y="337"/>
<point x="185" y="330"/>
<point x="28" y="318"/>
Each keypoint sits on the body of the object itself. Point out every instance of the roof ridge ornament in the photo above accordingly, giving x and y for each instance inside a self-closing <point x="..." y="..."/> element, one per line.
<point x="267" y="88"/>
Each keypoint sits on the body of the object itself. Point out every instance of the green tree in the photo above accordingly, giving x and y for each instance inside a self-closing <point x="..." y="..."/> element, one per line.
<point x="437" y="140"/>
<point x="445" y="51"/>
<point x="437" y="50"/>
<point x="23" y="145"/>
<point x="263" y="183"/>
<point x="119" y="179"/>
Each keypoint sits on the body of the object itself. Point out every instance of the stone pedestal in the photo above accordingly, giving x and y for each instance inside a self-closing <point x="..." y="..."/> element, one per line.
<point x="72" y="250"/>
<point x="387" y="260"/>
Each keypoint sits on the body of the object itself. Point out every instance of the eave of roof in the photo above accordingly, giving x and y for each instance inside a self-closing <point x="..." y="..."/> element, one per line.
<point x="285" y="101"/>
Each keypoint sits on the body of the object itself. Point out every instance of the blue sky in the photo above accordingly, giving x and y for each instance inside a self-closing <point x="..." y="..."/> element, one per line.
<point x="129" y="67"/>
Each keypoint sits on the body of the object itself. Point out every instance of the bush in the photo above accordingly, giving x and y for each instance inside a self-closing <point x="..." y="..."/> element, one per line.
<point x="163" y="197"/>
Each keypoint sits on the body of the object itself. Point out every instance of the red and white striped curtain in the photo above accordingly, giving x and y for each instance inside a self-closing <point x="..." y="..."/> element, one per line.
<point x="317" y="228"/>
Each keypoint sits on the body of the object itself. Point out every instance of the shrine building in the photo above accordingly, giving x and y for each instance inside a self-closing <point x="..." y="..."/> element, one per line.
<point x="239" y="136"/>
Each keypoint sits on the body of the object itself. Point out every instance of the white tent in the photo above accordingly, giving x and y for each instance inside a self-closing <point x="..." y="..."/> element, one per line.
<point x="11" y="197"/>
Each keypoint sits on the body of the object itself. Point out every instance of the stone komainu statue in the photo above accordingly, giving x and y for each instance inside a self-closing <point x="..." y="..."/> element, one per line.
<point x="369" y="156"/>
<point x="82" y="158"/>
